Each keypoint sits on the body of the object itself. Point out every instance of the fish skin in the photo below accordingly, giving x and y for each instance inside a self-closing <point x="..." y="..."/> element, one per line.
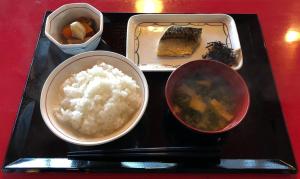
<point x="179" y="41"/>
<point x="180" y="32"/>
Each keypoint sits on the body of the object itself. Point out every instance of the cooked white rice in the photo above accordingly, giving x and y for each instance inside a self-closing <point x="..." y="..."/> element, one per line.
<point x="98" y="100"/>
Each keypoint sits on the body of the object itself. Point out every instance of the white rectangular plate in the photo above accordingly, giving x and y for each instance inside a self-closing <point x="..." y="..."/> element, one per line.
<point x="145" y="30"/>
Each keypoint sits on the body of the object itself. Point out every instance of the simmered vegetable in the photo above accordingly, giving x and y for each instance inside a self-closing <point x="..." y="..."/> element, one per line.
<point x="78" y="31"/>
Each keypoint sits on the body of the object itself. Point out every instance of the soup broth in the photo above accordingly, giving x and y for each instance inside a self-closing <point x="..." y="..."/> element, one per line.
<point x="204" y="101"/>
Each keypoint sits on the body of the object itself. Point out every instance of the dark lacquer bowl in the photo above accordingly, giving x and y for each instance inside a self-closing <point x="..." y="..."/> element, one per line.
<point x="234" y="81"/>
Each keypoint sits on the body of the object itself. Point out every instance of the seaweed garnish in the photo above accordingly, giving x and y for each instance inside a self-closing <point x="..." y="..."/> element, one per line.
<point x="220" y="52"/>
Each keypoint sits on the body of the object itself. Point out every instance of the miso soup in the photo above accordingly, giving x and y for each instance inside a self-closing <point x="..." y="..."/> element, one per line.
<point x="204" y="101"/>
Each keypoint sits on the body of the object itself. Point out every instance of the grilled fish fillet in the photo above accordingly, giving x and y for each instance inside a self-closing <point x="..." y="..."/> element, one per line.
<point x="179" y="41"/>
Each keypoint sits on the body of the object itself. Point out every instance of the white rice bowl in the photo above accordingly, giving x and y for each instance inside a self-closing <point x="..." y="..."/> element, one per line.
<point x="98" y="100"/>
<point x="94" y="98"/>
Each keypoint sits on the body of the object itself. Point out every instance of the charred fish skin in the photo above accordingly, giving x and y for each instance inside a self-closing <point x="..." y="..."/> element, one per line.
<point x="179" y="41"/>
<point x="180" y="32"/>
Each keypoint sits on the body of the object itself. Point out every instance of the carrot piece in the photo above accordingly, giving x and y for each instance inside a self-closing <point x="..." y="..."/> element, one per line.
<point x="88" y="28"/>
<point x="67" y="32"/>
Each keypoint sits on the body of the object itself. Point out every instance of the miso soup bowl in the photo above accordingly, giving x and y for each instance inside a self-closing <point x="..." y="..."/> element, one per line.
<point x="210" y="67"/>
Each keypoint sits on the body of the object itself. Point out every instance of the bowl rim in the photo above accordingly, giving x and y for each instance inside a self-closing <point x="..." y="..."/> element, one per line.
<point x="223" y="130"/>
<point x="52" y="75"/>
<point x="70" y="6"/>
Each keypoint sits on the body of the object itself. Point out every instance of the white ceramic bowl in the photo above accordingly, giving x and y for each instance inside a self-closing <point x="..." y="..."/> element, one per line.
<point x="50" y="93"/>
<point x="66" y="14"/>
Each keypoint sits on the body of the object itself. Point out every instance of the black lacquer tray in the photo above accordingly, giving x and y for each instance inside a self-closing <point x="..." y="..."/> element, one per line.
<point x="260" y="144"/>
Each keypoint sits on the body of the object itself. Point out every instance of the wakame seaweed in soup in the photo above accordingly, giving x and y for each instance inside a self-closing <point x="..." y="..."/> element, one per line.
<point x="204" y="101"/>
